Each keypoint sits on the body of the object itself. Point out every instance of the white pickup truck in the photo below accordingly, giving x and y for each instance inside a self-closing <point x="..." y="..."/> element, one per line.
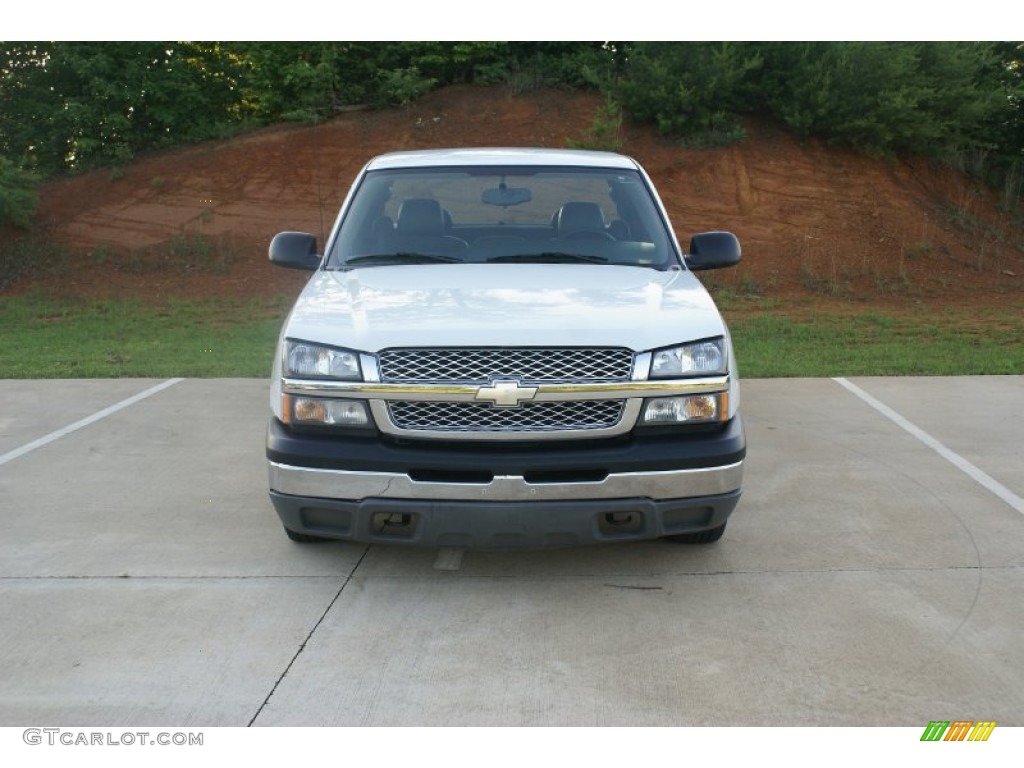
<point x="504" y="348"/>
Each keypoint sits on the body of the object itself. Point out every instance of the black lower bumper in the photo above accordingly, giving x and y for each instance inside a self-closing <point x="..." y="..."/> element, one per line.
<point x="501" y="525"/>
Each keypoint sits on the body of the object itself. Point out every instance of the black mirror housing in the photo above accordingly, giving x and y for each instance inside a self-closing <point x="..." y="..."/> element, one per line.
<point x="294" y="250"/>
<point x="713" y="250"/>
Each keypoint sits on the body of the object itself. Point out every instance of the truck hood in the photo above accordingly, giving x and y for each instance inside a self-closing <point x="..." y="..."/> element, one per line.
<point x="448" y="305"/>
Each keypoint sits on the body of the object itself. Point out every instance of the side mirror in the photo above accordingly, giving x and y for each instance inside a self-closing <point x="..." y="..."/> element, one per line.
<point x="713" y="250"/>
<point x="295" y="250"/>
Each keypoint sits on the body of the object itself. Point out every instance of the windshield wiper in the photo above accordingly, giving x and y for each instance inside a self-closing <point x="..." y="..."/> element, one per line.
<point x="403" y="257"/>
<point x="551" y="257"/>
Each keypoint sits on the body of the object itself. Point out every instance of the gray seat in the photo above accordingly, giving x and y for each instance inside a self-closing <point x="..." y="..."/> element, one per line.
<point x="420" y="228"/>
<point x="579" y="219"/>
<point x="420" y="216"/>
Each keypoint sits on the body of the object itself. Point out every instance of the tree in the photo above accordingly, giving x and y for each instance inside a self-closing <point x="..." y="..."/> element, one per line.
<point x="17" y="194"/>
<point x="927" y="98"/>
<point x="72" y="105"/>
<point x="689" y="89"/>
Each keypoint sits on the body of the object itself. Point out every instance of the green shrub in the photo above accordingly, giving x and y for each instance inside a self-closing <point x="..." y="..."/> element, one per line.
<point x="689" y="89"/>
<point x="400" y="86"/>
<point x="18" y="199"/>
<point x="887" y="97"/>
<point x="605" y="132"/>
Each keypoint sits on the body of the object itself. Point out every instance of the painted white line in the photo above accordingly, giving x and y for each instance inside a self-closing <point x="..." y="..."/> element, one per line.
<point x="448" y="560"/>
<point x="952" y="457"/>
<point x="46" y="439"/>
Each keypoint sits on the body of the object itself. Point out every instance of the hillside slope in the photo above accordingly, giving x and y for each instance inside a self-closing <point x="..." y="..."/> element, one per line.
<point x="813" y="221"/>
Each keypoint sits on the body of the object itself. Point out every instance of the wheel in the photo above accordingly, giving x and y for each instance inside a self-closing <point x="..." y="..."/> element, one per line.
<point x="305" y="538"/>
<point x="700" y="537"/>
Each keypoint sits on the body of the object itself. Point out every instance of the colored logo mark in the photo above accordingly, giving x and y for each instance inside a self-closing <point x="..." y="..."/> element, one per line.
<point x="958" y="730"/>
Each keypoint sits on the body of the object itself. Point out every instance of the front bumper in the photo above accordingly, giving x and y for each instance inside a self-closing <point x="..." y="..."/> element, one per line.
<point x="452" y="495"/>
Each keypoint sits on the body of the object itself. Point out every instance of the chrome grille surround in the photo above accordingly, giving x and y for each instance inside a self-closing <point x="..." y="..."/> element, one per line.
<point x="378" y="395"/>
<point x="479" y="365"/>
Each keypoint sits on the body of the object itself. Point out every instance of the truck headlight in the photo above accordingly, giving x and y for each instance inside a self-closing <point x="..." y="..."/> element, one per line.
<point x="305" y="360"/>
<point x="328" y="412"/>
<point x="687" y="409"/>
<point x="697" y="359"/>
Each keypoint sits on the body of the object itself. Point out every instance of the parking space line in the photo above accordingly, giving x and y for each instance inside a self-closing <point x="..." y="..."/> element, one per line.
<point x="46" y="439"/>
<point x="448" y="560"/>
<point x="958" y="461"/>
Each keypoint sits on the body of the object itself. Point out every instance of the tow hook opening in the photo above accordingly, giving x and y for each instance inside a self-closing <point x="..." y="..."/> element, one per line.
<point x="393" y="524"/>
<point x="619" y="523"/>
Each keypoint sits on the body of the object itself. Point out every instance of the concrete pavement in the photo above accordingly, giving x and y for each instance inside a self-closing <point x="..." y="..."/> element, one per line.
<point x="864" y="579"/>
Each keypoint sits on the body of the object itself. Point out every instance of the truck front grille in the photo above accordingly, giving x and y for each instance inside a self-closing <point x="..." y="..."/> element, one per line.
<point x="482" y="366"/>
<point x="529" y="417"/>
<point x="474" y="365"/>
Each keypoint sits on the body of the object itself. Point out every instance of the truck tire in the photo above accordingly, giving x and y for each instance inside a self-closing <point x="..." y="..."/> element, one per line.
<point x="701" y="537"/>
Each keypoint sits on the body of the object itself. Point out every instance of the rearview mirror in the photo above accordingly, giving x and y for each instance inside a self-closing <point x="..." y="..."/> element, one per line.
<point x="505" y="196"/>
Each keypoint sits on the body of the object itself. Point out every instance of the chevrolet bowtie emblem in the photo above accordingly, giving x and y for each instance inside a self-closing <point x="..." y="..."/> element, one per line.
<point x="506" y="394"/>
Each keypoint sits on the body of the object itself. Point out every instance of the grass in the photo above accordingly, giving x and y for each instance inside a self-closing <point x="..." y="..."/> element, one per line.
<point x="48" y="338"/>
<point x="879" y="343"/>
<point x="68" y="338"/>
<point x="184" y="252"/>
<point x="30" y="255"/>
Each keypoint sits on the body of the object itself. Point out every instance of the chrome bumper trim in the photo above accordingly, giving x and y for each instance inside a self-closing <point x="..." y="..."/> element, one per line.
<point x="357" y="485"/>
<point x="368" y="390"/>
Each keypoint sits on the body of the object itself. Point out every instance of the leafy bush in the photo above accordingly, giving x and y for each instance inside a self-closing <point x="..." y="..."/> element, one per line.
<point x="887" y="97"/>
<point x="949" y="100"/>
<point x="75" y="105"/>
<point x="605" y="132"/>
<point x="18" y="197"/>
<point x="67" y="105"/>
<point x="578" y="65"/>
<point x="401" y="86"/>
<point x="689" y="89"/>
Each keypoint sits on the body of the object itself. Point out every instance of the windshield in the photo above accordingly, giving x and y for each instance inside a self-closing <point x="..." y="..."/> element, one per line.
<point x="502" y="215"/>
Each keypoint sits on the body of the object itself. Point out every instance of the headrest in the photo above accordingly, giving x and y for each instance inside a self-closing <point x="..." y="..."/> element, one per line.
<point x="420" y="216"/>
<point x="576" y="216"/>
